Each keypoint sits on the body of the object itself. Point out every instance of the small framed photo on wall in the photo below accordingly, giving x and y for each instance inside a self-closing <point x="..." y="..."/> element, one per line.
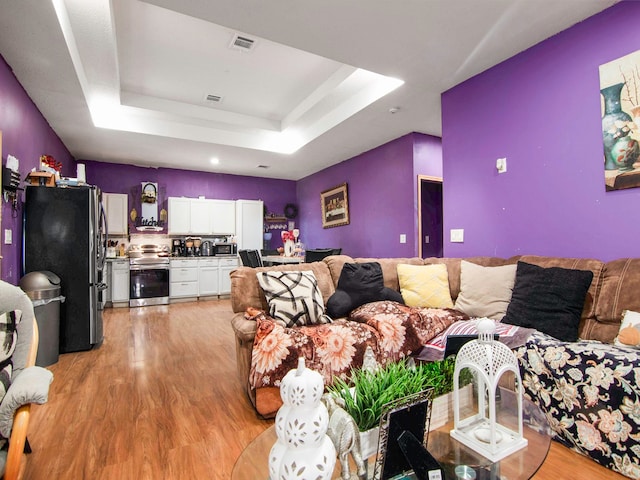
<point x="335" y="206"/>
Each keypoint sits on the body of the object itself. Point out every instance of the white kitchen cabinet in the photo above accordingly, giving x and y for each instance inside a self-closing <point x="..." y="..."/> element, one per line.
<point x="120" y="281"/>
<point x="249" y="224"/>
<point x="200" y="211"/>
<point x="201" y="216"/>
<point x="116" y="207"/>
<point x="179" y="216"/>
<point x="223" y="217"/>
<point x="183" y="278"/>
<point x="106" y="279"/>
<point x="208" y="277"/>
<point x="227" y="265"/>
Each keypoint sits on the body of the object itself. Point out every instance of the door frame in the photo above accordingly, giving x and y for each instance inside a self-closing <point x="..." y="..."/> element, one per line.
<point x="421" y="178"/>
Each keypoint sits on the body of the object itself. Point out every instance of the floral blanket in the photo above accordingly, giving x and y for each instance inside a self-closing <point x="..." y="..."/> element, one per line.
<point x="590" y="394"/>
<point x="391" y="329"/>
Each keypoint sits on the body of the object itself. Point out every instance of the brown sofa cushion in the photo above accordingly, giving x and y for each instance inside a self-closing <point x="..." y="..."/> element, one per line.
<point x="620" y="290"/>
<point x="335" y="263"/>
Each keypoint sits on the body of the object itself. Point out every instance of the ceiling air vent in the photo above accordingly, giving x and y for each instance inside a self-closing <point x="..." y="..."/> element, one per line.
<point x="209" y="98"/>
<point x="242" y="43"/>
<point x="263" y="166"/>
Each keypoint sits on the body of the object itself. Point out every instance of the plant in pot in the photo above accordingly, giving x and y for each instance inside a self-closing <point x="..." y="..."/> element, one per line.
<point x="367" y="392"/>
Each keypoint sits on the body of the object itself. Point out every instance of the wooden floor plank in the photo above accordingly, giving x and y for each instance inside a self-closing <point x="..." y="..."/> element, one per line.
<point x="160" y="399"/>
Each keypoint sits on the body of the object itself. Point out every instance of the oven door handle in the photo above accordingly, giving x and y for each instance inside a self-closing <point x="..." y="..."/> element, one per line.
<point x="148" y="267"/>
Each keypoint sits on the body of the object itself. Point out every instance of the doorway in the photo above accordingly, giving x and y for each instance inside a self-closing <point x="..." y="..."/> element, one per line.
<point x="430" y="224"/>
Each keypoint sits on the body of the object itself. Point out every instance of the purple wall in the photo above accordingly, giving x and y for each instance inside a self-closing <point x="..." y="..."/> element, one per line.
<point x="118" y="178"/>
<point x="26" y="135"/>
<point x="382" y="190"/>
<point x="541" y="110"/>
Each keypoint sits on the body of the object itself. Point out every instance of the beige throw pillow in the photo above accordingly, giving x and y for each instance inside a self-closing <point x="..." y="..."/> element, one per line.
<point x="485" y="291"/>
<point x="425" y="285"/>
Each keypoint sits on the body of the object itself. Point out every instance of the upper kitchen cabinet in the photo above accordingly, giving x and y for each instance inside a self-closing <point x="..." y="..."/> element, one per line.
<point x="116" y="208"/>
<point x="179" y="215"/>
<point x="199" y="216"/>
<point x="223" y="217"/>
<point x="249" y="224"/>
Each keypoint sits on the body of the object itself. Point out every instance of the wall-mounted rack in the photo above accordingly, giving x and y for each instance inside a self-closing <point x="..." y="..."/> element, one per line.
<point x="10" y="184"/>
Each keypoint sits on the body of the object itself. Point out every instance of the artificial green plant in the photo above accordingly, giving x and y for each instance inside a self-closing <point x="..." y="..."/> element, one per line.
<point x="373" y="390"/>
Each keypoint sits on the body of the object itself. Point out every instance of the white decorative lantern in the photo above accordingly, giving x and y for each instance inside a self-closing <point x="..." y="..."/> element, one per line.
<point x="303" y="449"/>
<point x="488" y="360"/>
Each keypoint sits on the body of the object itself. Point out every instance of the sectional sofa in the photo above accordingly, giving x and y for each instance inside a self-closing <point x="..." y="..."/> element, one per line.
<point x="586" y="386"/>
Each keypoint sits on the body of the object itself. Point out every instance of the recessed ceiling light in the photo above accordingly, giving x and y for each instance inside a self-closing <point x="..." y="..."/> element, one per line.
<point x="214" y="160"/>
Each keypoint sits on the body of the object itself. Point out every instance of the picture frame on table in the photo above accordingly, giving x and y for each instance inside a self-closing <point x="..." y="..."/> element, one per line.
<point x="404" y="430"/>
<point x="334" y="204"/>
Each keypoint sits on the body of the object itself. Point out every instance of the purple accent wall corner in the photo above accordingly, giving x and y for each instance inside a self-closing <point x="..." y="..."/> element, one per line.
<point x="541" y="110"/>
<point x="26" y="135"/>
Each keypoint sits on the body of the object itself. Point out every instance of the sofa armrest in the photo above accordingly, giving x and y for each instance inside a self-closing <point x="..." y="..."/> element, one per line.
<point x="243" y="328"/>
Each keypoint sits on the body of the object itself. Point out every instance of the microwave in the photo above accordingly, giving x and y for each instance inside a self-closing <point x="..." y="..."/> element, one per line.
<point x="225" y="249"/>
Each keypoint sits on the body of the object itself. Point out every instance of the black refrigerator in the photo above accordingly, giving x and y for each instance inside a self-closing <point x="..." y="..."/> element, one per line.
<point x="65" y="233"/>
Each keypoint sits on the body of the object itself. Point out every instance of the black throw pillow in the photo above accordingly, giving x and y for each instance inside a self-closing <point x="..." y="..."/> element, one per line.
<point x="548" y="299"/>
<point x="359" y="283"/>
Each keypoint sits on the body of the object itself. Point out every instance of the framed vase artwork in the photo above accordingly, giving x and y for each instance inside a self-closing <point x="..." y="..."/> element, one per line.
<point x="334" y="203"/>
<point x="620" y="97"/>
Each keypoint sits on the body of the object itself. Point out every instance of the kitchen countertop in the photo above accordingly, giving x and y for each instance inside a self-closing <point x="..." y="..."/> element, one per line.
<point x="202" y="257"/>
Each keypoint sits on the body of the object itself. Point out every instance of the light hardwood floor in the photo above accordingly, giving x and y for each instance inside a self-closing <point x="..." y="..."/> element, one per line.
<point x="160" y="399"/>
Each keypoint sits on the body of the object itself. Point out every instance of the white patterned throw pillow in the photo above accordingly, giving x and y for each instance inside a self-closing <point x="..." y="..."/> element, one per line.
<point x="294" y="298"/>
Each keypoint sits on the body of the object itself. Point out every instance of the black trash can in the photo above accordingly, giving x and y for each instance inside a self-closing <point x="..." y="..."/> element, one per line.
<point x="43" y="288"/>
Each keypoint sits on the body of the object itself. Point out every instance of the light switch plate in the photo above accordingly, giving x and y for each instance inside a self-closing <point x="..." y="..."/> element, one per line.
<point x="457" y="235"/>
<point x="8" y="236"/>
<point x="501" y="165"/>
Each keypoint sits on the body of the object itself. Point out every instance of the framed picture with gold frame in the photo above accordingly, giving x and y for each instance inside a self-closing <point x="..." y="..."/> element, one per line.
<point x="335" y="206"/>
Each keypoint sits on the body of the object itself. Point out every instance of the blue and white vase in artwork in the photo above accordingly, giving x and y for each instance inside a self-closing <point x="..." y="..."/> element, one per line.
<point x="612" y="119"/>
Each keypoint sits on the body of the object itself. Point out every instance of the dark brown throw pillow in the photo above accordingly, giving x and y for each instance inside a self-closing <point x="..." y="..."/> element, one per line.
<point x="359" y="283"/>
<point x="548" y="299"/>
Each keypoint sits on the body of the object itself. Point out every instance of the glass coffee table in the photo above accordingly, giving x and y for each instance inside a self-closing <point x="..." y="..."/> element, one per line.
<point x="458" y="461"/>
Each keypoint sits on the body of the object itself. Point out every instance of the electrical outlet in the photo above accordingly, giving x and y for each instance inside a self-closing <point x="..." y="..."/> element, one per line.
<point x="457" y="235"/>
<point x="501" y="165"/>
<point x="426" y="239"/>
<point x="403" y="238"/>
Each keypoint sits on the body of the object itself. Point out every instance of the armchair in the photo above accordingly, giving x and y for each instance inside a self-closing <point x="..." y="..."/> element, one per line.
<point x="28" y="383"/>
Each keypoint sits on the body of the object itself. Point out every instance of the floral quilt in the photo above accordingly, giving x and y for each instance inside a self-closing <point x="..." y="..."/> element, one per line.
<point x="590" y="394"/>
<point x="392" y="330"/>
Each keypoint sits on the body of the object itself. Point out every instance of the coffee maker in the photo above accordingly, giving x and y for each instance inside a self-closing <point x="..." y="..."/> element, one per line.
<point x="177" y="249"/>
<point x="189" y="252"/>
<point x="197" y="242"/>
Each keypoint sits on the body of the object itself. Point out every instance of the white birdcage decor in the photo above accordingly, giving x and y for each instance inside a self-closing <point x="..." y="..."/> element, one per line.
<point x="488" y="360"/>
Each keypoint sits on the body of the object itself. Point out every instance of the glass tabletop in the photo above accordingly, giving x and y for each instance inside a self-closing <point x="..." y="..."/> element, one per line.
<point x="461" y="462"/>
<point x="458" y="461"/>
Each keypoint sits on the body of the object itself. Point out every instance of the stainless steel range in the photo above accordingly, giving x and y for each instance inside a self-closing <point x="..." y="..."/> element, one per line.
<point x="149" y="275"/>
